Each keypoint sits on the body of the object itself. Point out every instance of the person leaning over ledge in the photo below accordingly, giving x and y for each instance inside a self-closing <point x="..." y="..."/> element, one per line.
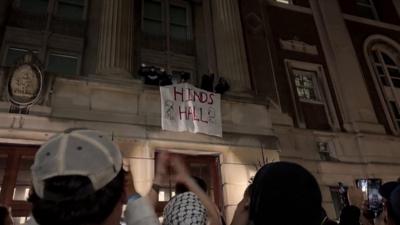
<point x="78" y="179"/>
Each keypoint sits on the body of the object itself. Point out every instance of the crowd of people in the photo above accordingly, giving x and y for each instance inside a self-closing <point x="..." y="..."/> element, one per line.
<point x="79" y="178"/>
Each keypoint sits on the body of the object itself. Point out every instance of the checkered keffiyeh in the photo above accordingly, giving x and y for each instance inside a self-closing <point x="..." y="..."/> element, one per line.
<point x="185" y="209"/>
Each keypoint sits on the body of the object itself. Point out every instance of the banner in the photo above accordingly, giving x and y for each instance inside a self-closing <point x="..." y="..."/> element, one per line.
<point x="187" y="108"/>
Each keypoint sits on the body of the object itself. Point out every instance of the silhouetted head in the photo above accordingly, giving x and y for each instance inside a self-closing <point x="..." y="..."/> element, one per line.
<point x="285" y="193"/>
<point x="350" y="215"/>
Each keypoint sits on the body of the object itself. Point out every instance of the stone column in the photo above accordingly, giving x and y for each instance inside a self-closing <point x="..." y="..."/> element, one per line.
<point x="352" y="94"/>
<point x="115" y="51"/>
<point x="229" y="43"/>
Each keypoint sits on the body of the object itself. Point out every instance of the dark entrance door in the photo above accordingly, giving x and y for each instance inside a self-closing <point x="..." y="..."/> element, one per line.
<point x="15" y="179"/>
<point x="204" y="167"/>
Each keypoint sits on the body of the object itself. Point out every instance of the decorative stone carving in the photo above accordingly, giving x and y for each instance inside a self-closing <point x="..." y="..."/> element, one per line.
<point x="25" y="83"/>
<point x="254" y="23"/>
<point x="296" y="45"/>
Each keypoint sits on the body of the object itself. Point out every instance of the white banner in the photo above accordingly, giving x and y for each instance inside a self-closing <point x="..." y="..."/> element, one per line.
<point x="187" y="108"/>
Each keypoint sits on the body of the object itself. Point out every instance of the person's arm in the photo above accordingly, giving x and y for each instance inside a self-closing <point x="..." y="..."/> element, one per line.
<point x="356" y="198"/>
<point x="139" y="211"/>
<point x="241" y="216"/>
<point x="183" y="176"/>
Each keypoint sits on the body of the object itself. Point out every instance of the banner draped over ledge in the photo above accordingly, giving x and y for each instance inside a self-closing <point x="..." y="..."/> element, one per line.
<point x="187" y="108"/>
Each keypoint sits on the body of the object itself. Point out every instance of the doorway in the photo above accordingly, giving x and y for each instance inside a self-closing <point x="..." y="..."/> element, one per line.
<point x="205" y="167"/>
<point x="15" y="179"/>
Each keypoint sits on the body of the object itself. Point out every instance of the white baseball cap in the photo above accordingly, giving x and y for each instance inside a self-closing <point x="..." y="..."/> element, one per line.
<point x="78" y="152"/>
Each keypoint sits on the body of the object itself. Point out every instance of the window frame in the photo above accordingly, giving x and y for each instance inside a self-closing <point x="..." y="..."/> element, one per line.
<point x="165" y="18"/>
<point x="68" y="54"/>
<point x="388" y="46"/>
<point x="17" y="46"/>
<point x="18" y="5"/>
<point x="371" y="6"/>
<point x="316" y="88"/>
<point x="324" y="93"/>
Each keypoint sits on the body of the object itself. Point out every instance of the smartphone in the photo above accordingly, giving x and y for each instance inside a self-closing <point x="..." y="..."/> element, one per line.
<point x="370" y="188"/>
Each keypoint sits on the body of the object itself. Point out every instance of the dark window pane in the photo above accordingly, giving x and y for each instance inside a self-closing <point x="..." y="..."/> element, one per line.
<point x="394" y="72"/>
<point x="395" y="110"/>
<point x="70" y="9"/>
<point x="152" y="27"/>
<point x="366" y="12"/>
<point x="380" y="70"/>
<point x="384" y="81"/>
<point x="62" y="64"/>
<point x="13" y="55"/>
<point x="365" y="2"/>
<point x="152" y="10"/>
<point x="396" y="83"/>
<point x="34" y="6"/>
<point x="178" y="15"/>
<point x="305" y="85"/>
<point x="179" y="32"/>
<point x="74" y="2"/>
<point x="388" y="60"/>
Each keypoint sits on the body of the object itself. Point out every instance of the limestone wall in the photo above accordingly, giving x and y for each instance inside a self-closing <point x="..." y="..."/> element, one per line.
<point x="358" y="156"/>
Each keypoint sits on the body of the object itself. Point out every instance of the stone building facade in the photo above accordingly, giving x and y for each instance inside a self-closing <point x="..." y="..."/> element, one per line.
<point x="304" y="81"/>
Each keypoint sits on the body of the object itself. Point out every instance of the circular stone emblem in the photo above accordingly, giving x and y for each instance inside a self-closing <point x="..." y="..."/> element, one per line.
<point x="25" y="85"/>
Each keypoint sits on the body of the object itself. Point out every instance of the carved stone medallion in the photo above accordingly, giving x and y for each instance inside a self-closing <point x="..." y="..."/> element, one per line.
<point x="25" y="84"/>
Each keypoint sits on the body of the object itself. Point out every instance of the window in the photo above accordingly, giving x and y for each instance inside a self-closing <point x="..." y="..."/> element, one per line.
<point x="15" y="54"/>
<point x="71" y="9"/>
<point x="284" y="1"/>
<point x="306" y="85"/>
<point x="384" y="63"/>
<point x="34" y="6"/>
<point x="152" y="18"/>
<point x="167" y="21"/>
<point x="313" y="104"/>
<point x="178" y="22"/>
<point x="62" y="64"/>
<point x="366" y="8"/>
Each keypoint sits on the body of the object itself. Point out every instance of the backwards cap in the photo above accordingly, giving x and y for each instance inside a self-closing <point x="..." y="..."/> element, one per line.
<point x="77" y="153"/>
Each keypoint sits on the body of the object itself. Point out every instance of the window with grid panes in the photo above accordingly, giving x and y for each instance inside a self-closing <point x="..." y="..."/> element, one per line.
<point x="306" y="85"/>
<point x="167" y="21"/>
<point x="387" y="72"/>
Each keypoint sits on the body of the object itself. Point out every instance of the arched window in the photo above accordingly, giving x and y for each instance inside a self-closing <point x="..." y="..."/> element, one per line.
<point x="383" y="56"/>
